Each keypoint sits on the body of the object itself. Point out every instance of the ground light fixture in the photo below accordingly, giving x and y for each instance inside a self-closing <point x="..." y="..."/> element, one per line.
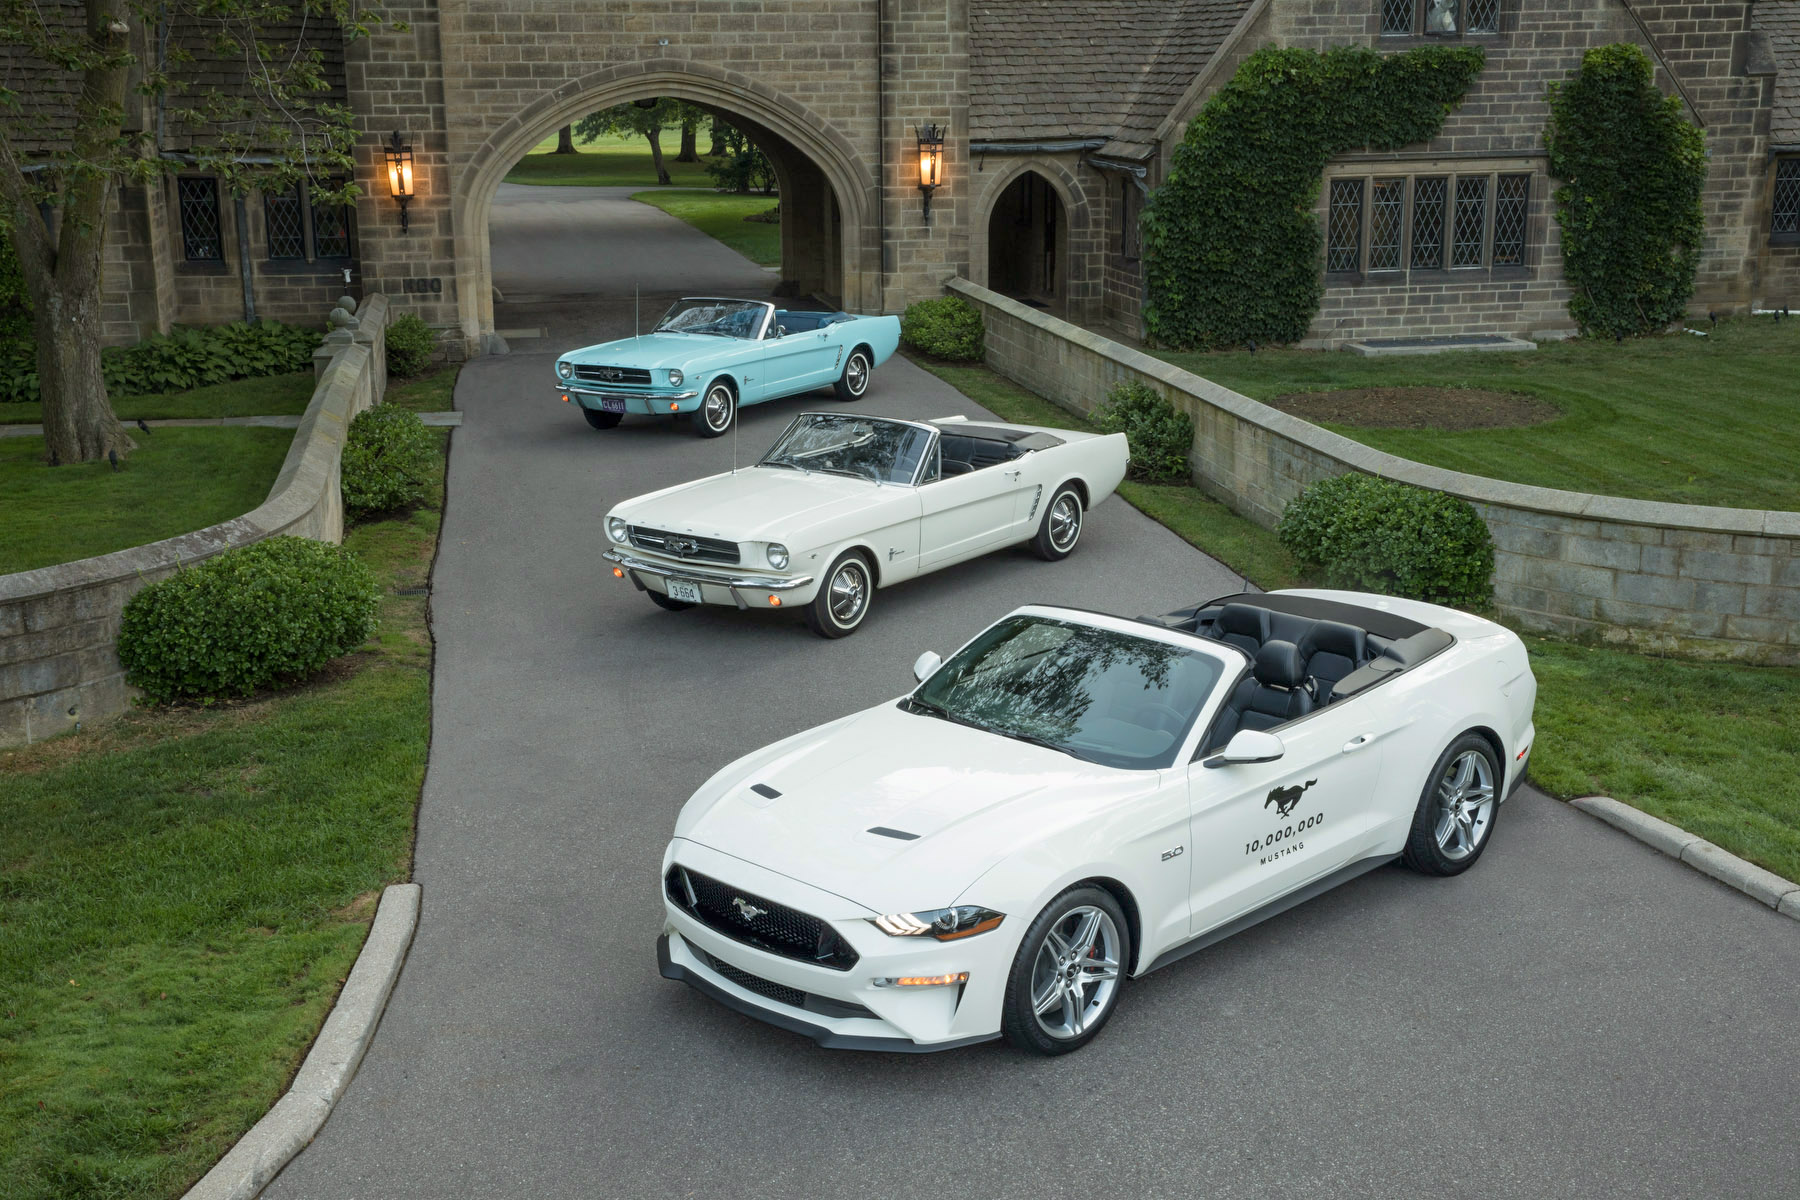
<point x="400" y="173"/>
<point x="931" y="162"/>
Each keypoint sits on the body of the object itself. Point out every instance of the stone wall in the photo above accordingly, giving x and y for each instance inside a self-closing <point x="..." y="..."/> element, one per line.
<point x="59" y="661"/>
<point x="1714" y="582"/>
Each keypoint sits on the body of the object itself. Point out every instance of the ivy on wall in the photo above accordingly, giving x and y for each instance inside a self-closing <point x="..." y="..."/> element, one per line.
<point x="1232" y="250"/>
<point x="1629" y="207"/>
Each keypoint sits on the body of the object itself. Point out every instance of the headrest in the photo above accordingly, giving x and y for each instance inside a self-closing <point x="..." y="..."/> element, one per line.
<point x="1242" y="618"/>
<point x="1278" y="665"/>
<point x="1334" y="637"/>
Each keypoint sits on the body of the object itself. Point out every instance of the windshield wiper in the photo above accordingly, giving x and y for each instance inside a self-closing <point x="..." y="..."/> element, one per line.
<point x="852" y="472"/>
<point x="914" y="704"/>
<point x="1035" y="740"/>
<point x="789" y="463"/>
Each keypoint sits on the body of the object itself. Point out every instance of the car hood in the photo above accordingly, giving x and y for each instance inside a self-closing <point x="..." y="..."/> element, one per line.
<point x="757" y="504"/>
<point x="651" y="350"/>
<point x="968" y="798"/>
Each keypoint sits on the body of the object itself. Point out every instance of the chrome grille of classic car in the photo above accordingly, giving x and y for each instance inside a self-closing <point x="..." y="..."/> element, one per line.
<point x="684" y="545"/>
<point x="755" y="921"/>
<point x="631" y="376"/>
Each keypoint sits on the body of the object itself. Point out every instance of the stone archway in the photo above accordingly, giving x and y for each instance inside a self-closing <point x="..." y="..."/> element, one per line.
<point x="1030" y="237"/>
<point x="828" y="232"/>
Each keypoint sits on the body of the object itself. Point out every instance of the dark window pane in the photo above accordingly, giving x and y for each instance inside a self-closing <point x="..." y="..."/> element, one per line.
<point x="287" y="238"/>
<point x="1397" y="15"/>
<point x="1387" y="215"/>
<point x="1787" y="196"/>
<point x="1429" y="196"/>
<point x="1483" y="16"/>
<point x="331" y="231"/>
<point x="1471" y="211"/>
<point x="1343" y="247"/>
<point x="197" y="202"/>
<point x="1440" y="17"/>
<point x="1510" y="197"/>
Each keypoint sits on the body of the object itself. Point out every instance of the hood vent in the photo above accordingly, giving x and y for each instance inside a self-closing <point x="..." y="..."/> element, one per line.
<point x="901" y="834"/>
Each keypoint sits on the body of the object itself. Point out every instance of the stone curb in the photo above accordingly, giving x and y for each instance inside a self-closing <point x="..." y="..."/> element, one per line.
<point x="252" y="1164"/>
<point x="1766" y="887"/>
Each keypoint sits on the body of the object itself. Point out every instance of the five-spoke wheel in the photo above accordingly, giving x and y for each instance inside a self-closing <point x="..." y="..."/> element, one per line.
<point x="1060" y="528"/>
<point x="718" y="410"/>
<point x="843" y="599"/>
<point x="855" y="380"/>
<point x="1456" y="813"/>
<point x="1066" y="976"/>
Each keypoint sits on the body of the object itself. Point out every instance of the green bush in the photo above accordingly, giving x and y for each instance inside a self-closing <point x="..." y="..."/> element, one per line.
<point x="411" y="345"/>
<point x="1378" y="535"/>
<point x="388" y="461"/>
<point x="252" y="617"/>
<point x="15" y="303"/>
<point x="18" y="370"/>
<point x="948" y="328"/>
<point x="184" y="358"/>
<point x="1159" y="436"/>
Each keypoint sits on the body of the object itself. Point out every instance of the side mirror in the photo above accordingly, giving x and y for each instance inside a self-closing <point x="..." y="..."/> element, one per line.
<point x="1248" y="746"/>
<point x="926" y="664"/>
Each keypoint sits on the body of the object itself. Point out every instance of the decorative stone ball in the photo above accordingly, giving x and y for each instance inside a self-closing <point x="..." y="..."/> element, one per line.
<point x="340" y="318"/>
<point x="347" y="303"/>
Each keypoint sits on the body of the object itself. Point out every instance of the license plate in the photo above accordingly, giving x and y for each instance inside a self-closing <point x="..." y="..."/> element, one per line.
<point x="612" y="404"/>
<point x="681" y="589"/>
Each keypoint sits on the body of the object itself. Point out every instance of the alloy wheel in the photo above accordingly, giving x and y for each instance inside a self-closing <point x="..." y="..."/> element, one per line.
<point x="1465" y="799"/>
<point x="1076" y="972"/>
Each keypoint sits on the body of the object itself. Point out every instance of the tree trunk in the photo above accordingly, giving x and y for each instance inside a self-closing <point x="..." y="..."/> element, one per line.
<point x="690" y="138"/>
<point x="79" y="425"/>
<point x="565" y="141"/>
<point x="662" y="172"/>
<point x="718" y="143"/>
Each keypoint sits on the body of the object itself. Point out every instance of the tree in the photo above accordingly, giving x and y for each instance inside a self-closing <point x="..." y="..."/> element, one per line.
<point x="106" y="99"/>
<point x="565" y="141"/>
<point x="640" y="118"/>
<point x="715" y="131"/>
<point x="741" y="166"/>
<point x="690" y="139"/>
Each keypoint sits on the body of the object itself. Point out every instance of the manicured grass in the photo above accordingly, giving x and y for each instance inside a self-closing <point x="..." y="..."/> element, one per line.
<point x="1713" y="420"/>
<point x="609" y="162"/>
<point x="721" y="215"/>
<point x="427" y="393"/>
<point x="182" y="894"/>
<point x="269" y="395"/>
<point x="177" y="480"/>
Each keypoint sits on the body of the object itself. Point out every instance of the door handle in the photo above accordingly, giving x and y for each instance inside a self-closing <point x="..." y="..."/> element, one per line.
<point x="1013" y="476"/>
<point x="1358" y="742"/>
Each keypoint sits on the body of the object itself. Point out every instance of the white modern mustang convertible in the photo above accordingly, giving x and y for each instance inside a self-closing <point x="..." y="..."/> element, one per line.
<point x="842" y="505"/>
<point x="1072" y="800"/>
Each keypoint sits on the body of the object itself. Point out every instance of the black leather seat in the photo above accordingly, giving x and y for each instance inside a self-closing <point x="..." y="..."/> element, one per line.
<point x="1241" y="625"/>
<point x="955" y="466"/>
<point x="1329" y="651"/>
<point x="1274" y="694"/>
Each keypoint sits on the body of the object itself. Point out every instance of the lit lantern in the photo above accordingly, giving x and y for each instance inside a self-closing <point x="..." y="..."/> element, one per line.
<point x="400" y="173"/>
<point x="931" y="162"/>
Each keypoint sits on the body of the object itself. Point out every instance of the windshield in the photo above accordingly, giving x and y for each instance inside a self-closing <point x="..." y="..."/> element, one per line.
<point x="1106" y="697"/>
<point x="870" y="448"/>
<point x="719" y="318"/>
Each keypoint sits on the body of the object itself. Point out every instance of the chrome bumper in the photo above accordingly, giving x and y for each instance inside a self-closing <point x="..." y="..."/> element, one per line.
<point x="583" y="390"/>
<point x="730" y="580"/>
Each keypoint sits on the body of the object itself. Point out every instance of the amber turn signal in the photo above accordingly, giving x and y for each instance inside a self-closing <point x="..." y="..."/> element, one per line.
<point x="774" y="601"/>
<point x="674" y="407"/>
<point x="565" y="398"/>
<point x="618" y="572"/>
<point x="926" y="980"/>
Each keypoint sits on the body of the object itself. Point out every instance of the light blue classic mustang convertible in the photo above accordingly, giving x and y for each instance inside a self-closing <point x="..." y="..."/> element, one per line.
<point x="708" y="355"/>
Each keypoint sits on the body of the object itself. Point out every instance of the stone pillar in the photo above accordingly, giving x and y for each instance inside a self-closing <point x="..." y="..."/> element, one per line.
<point x="925" y="45"/>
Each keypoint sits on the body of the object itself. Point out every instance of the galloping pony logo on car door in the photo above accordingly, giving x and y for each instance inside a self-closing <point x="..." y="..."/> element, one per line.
<point x="1285" y="799"/>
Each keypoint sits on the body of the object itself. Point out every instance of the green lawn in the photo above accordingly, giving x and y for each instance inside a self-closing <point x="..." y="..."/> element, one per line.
<point x="427" y="393"/>
<point x="610" y="162"/>
<point x="1712" y="747"/>
<point x="240" y="398"/>
<point x="1712" y="420"/>
<point x="181" y="895"/>
<point x="722" y="216"/>
<point x="177" y="480"/>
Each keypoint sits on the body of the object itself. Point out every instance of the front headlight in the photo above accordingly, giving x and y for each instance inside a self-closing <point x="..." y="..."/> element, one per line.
<point x="615" y="528"/>
<point x="565" y="369"/>
<point x="778" y="556"/>
<point x="944" y="924"/>
<point x="675" y="378"/>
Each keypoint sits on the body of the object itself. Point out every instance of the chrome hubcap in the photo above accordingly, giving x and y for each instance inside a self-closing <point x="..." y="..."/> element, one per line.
<point x="856" y="374"/>
<point x="1076" y="972"/>
<point x="1065" y="522"/>
<point x="718" y="408"/>
<point x="1465" y="799"/>
<point x="849" y="594"/>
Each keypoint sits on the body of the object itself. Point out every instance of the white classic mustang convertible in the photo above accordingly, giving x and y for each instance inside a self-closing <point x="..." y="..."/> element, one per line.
<point x="1073" y="800"/>
<point x="842" y="505"/>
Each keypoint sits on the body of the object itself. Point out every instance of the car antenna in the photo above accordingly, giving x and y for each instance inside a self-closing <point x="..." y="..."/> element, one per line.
<point x="734" y="425"/>
<point x="636" y="328"/>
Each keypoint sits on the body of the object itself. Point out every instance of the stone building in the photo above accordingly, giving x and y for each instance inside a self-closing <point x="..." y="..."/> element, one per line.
<point x="1061" y="117"/>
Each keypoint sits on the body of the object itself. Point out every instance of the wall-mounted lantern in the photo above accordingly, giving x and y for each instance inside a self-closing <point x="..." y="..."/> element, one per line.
<point x="400" y="173"/>
<point x="931" y="162"/>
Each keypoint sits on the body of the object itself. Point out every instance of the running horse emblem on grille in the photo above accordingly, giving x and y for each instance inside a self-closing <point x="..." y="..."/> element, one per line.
<point x="682" y="546"/>
<point x="611" y="374"/>
<point x="747" y="910"/>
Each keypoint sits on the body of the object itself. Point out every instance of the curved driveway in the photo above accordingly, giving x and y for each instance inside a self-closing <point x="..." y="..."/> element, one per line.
<point x="1578" y="1016"/>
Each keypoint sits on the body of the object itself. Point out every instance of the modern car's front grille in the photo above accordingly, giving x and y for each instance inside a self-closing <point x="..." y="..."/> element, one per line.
<point x="781" y="993"/>
<point x="684" y="545"/>
<point x="755" y="921"/>
<point x="631" y="376"/>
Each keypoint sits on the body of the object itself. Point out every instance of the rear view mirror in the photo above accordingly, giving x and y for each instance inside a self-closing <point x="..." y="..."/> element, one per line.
<point x="925" y="665"/>
<point x="1248" y="746"/>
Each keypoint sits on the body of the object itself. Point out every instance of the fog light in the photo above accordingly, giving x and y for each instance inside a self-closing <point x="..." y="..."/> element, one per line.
<point x="923" y="980"/>
<point x="618" y="572"/>
<point x="774" y="601"/>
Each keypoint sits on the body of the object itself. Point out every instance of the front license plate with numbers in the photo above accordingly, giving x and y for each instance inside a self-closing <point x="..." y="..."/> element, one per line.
<point x="681" y="589"/>
<point x="612" y="404"/>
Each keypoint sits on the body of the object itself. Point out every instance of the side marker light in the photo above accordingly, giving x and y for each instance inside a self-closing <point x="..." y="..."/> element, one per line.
<point x="618" y="572"/>
<point x="774" y="601"/>
<point x="924" y="980"/>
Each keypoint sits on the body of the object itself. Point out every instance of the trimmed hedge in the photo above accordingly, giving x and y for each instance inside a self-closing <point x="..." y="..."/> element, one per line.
<point x="1379" y="535"/>
<point x="184" y="358"/>
<point x="252" y="617"/>
<point x="388" y="460"/>
<point x="411" y="345"/>
<point x="949" y="328"/>
<point x="1160" y="437"/>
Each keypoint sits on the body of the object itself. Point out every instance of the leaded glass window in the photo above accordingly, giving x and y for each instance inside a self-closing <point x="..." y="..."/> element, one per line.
<point x="1511" y="193"/>
<point x="1471" y="216"/>
<point x="1343" y="246"/>
<point x="1397" y="16"/>
<point x="1387" y="221"/>
<point x="197" y="204"/>
<point x="1429" y="197"/>
<point x="331" y="230"/>
<point x="286" y="228"/>
<point x="1483" y="16"/>
<point x="1787" y="196"/>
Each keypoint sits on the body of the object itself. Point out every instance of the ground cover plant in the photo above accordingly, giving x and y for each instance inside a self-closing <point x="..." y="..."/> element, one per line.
<point x="609" y="161"/>
<point x="725" y="217"/>
<point x="1712" y="420"/>
<point x="184" y="890"/>
<point x="187" y="357"/>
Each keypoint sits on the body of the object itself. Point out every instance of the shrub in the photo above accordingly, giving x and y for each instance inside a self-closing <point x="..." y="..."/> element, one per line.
<point x="948" y="327"/>
<point x="1159" y="436"/>
<point x="15" y="303"/>
<point x="249" y="618"/>
<point x="1379" y="535"/>
<point x="411" y="345"/>
<point x="185" y="357"/>
<point x="18" y="370"/>
<point x="388" y="461"/>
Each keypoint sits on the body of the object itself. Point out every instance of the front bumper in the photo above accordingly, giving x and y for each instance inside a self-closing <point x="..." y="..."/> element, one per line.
<point x="641" y="403"/>
<point x="718" y="585"/>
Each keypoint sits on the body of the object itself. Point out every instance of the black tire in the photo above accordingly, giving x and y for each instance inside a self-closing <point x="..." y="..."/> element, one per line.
<point x="1454" y="823"/>
<point x="839" y="611"/>
<point x="602" y="420"/>
<point x="717" y="410"/>
<point x="1060" y="530"/>
<point x="1035" y="976"/>
<point x="663" y="601"/>
<point x="853" y="384"/>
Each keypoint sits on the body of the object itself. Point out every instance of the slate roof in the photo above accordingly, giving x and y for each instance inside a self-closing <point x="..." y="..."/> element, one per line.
<point x="1779" y="22"/>
<point x="1048" y="70"/>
